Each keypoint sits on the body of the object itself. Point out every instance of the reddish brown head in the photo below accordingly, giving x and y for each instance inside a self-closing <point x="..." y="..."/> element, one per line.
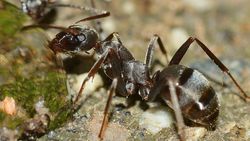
<point x="73" y="39"/>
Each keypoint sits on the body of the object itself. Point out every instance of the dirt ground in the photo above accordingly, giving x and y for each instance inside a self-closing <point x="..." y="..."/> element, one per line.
<point x="222" y="25"/>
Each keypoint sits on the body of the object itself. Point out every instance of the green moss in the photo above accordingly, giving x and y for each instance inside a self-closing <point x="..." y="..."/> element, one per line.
<point x="2" y="116"/>
<point x="30" y="84"/>
<point x="24" y="91"/>
<point x="10" y="121"/>
<point x="13" y="122"/>
<point x="54" y="94"/>
<point x="11" y="20"/>
<point x="62" y="116"/>
<point x="27" y="92"/>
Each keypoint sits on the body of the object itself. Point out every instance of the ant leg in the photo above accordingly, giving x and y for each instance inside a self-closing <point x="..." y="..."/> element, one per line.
<point x="106" y="114"/>
<point x="91" y="73"/>
<point x="64" y="28"/>
<point x="111" y="36"/>
<point x="27" y="27"/>
<point x="178" y="114"/>
<point x="98" y="13"/>
<point x="97" y="23"/>
<point x="97" y="16"/>
<point x="183" y="49"/>
<point x="151" y="47"/>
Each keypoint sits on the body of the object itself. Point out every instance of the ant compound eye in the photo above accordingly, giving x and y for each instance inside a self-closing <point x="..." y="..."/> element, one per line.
<point x="88" y="39"/>
<point x="81" y="37"/>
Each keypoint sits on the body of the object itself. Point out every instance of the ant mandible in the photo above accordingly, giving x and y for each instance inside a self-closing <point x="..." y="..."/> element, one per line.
<point x="197" y="100"/>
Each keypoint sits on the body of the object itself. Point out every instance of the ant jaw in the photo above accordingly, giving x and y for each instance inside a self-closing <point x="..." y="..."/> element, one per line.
<point x="144" y="93"/>
<point x="145" y="98"/>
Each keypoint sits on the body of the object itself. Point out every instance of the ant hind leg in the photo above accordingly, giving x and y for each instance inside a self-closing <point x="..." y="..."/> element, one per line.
<point x="183" y="49"/>
<point x="178" y="114"/>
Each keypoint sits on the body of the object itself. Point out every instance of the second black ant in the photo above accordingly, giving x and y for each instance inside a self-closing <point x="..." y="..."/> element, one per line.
<point x="42" y="10"/>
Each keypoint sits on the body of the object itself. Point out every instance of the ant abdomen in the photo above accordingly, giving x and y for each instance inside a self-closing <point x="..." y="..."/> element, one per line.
<point x="197" y="99"/>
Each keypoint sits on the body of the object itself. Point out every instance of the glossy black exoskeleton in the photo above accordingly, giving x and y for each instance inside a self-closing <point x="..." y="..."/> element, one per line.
<point x="197" y="99"/>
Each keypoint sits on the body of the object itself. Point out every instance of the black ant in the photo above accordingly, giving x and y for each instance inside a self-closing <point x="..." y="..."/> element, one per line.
<point x="40" y="10"/>
<point x="196" y="99"/>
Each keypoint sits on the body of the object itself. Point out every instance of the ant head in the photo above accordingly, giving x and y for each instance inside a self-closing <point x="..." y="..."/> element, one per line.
<point x="73" y="39"/>
<point x="34" y="8"/>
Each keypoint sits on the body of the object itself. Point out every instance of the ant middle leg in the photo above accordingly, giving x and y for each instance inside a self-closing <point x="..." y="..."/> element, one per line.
<point x="106" y="111"/>
<point x="183" y="49"/>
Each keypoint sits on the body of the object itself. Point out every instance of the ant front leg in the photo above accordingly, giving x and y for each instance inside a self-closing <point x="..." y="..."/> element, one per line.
<point x="183" y="49"/>
<point x="91" y="73"/>
<point x="150" y="50"/>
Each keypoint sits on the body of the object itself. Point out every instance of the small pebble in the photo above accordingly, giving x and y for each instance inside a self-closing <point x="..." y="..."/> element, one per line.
<point x="51" y="134"/>
<point x="194" y="133"/>
<point x="199" y="5"/>
<point x="8" y="105"/>
<point x="128" y="7"/>
<point x="155" y="119"/>
<point x="178" y="37"/>
<point x="74" y="83"/>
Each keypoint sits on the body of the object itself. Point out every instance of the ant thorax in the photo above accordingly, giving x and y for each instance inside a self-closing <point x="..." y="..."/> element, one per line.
<point x="136" y="75"/>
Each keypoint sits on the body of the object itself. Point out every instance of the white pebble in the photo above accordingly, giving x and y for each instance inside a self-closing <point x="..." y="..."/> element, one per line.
<point x="74" y="83"/>
<point x="195" y="133"/>
<point x="128" y="7"/>
<point x="178" y="37"/>
<point x="109" y="25"/>
<point x="199" y="5"/>
<point x="155" y="119"/>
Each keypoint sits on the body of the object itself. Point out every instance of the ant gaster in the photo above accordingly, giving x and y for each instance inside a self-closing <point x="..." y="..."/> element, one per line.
<point x="197" y="99"/>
